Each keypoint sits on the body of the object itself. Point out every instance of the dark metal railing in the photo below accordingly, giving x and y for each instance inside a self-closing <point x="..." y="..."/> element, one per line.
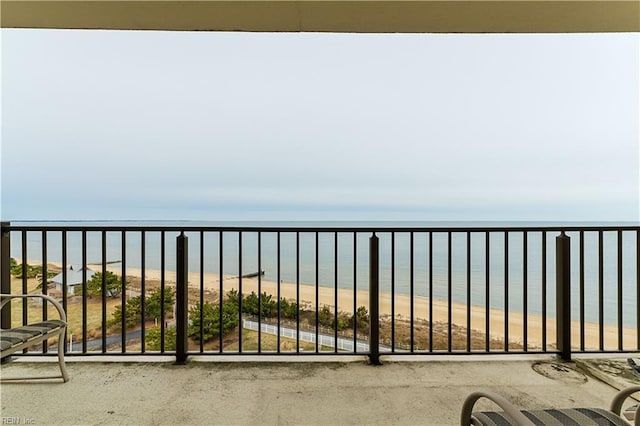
<point x="186" y="290"/>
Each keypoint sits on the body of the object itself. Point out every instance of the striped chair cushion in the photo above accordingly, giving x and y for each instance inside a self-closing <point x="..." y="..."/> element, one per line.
<point x="15" y="336"/>
<point x="551" y="417"/>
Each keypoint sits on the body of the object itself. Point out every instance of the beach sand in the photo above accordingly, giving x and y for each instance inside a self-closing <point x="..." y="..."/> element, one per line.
<point x="421" y="307"/>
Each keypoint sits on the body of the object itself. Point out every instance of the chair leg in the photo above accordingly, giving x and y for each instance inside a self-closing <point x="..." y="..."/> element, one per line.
<point x="63" y="368"/>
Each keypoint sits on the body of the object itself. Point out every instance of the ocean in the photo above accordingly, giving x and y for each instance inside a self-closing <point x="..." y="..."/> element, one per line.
<point x="427" y="271"/>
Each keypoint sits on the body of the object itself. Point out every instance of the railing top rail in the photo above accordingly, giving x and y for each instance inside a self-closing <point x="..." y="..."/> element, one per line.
<point x="315" y="228"/>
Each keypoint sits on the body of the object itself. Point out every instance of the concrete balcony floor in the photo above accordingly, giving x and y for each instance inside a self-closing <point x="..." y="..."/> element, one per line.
<point x="297" y="391"/>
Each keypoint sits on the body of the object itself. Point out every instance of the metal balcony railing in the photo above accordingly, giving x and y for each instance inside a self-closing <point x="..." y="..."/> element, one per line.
<point x="220" y="290"/>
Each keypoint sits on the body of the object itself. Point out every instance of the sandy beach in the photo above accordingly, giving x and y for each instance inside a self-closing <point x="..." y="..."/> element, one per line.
<point x="421" y="307"/>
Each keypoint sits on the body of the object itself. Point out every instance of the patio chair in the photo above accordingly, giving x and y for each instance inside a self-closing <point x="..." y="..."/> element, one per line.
<point x="547" y="417"/>
<point x="16" y="339"/>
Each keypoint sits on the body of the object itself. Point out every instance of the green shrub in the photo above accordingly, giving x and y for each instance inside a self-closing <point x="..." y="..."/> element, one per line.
<point x="152" y="308"/>
<point x="344" y="322"/>
<point x="251" y="302"/>
<point x="32" y="271"/>
<point x="153" y="338"/>
<point x="325" y="317"/>
<point x="210" y="324"/>
<point x="361" y="318"/>
<point x="113" y="285"/>
<point x="288" y="309"/>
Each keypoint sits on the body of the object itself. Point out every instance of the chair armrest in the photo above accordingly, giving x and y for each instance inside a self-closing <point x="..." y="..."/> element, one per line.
<point x="514" y="414"/>
<point x="620" y="397"/>
<point x="5" y="298"/>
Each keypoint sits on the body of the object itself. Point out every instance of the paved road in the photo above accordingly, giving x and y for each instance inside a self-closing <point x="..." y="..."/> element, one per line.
<point x="111" y="340"/>
<point x="97" y="343"/>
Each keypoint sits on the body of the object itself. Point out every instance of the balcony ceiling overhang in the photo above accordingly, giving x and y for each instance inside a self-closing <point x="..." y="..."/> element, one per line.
<point x="383" y="16"/>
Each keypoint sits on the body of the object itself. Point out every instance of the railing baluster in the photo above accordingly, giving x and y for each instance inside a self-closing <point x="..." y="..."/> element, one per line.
<point x="411" y="292"/>
<point x="468" y="307"/>
<point x="487" y="279"/>
<point x="45" y="272"/>
<point x="620" y="322"/>
<point x="143" y="293"/>
<point x="355" y="291"/>
<point x="162" y="290"/>
<point x="449" y="290"/>
<point x="239" y="292"/>
<point x="506" y="291"/>
<point x="544" y="291"/>
<point x="601" y="290"/>
<point x="582" y="336"/>
<point x="259" y="292"/>
<point x="123" y="294"/>
<point x="430" y="291"/>
<point x="393" y="292"/>
<point x="5" y="273"/>
<point x="317" y="278"/>
<point x="44" y="276"/>
<point x="278" y="286"/>
<point x="298" y="292"/>
<point x="201" y="301"/>
<point x="335" y="293"/>
<point x="103" y="291"/>
<point x="84" y="291"/>
<point x="65" y="297"/>
<point x="525" y="292"/>
<point x="468" y="291"/>
<point x="220" y="295"/>
<point x="25" y="289"/>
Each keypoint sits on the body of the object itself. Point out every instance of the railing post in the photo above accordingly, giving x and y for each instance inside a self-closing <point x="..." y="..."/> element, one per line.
<point x="182" y="298"/>
<point x="5" y="272"/>
<point x="563" y="296"/>
<point x="374" y="306"/>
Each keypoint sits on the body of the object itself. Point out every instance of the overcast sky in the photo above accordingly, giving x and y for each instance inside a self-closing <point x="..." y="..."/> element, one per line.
<point x="241" y="126"/>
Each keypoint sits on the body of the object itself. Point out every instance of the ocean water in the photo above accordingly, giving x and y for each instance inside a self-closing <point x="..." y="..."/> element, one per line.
<point x="310" y="258"/>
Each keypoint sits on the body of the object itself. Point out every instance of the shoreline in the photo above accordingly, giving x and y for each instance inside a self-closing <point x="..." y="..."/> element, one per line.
<point x="422" y="307"/>
<point x="402" y="302"/>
